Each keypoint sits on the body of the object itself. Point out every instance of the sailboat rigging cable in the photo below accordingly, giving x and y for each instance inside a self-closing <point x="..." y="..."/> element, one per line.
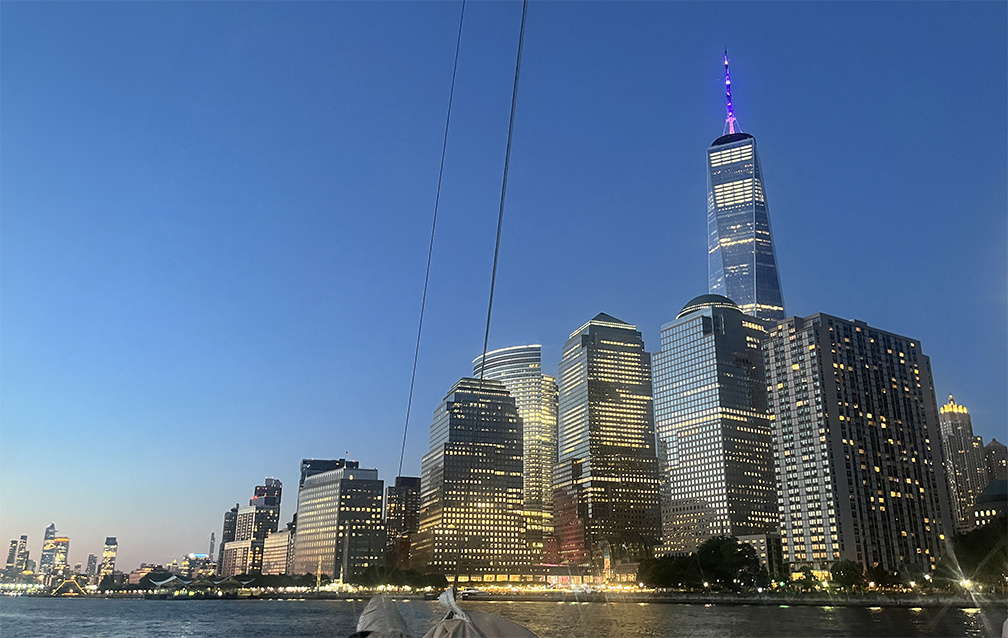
<point x="430" y="248"/>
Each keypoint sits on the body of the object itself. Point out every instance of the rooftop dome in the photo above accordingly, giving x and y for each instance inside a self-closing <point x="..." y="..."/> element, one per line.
<point x="707" y="301"/>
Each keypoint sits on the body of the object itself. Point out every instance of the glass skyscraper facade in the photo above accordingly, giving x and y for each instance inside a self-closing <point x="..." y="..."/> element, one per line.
<point x="715" y="441"/>
<point x="606" y="478"/>
<point x="519" y="368"/>
<point x="471" y="485"/>
<point x="742" y="264"/>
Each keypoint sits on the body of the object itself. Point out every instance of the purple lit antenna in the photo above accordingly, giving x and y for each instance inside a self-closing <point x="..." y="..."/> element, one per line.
<point x="730" y="122"/>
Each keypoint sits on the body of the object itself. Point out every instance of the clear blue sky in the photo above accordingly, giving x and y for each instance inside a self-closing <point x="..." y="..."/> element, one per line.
<point x="215" y="217"/>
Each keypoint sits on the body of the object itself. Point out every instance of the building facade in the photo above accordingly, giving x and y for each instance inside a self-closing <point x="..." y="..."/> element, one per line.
<point x="278" y="549"/>
<point x="858" y="457"/>
<point x="996" y="460"/>
<point x="339" y="528"/>
<point x="715" y="440"/>
<point x="48" y="556"/>
<point x="742" y="263"/>
<point x="606" y="478"/>
<point x="964" y="466"/>
<point x="471" y="485"/>
<point x="108" y="557"/>
<point x="402" y="520"/>
<point x="519" y="368"/>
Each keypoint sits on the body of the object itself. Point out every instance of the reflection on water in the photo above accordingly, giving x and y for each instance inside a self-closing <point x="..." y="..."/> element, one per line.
<point x="101" y="618"/>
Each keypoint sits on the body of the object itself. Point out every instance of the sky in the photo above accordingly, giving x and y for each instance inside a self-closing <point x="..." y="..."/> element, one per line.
<point x="214" y="219"/>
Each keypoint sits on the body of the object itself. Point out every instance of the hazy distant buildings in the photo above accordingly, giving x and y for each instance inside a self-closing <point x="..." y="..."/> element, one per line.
<point x="48" y="557"/>
<point x="857" y="438"/>
<point x="964" y="466"/>
<point x="227" y="533"/>
<point x="742" y="264"/>
<point x="402" y="520"/>
<point x="92" y="565"/>
<point x="339" y="522"/>
<point x="21" y="562"/>
<point x="606" y="478"/>
<point x="714" y="433"/>
<point x="11" y="558"/>
<point x="996" y="460"/>
<point x="108" y="557"/>
<point x="471" y="485"/>
<point x="519" y="368"/>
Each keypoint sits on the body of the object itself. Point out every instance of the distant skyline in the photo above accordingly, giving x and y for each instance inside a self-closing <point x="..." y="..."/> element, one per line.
<point x="214" y="220"/>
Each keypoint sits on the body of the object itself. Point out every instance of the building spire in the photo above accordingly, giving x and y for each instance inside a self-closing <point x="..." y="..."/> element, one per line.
<point x="730" y="124"/>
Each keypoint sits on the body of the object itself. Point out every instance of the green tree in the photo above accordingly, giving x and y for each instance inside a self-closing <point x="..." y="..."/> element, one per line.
<point x="847" y="573"/>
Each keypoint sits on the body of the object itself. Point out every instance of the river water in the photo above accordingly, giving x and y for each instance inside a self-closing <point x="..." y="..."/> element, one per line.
<point x="25" y="617"/>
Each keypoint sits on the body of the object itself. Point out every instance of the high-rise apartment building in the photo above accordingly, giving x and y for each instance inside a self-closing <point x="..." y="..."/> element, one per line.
<point x="519" y="368"/>
<point x="227" y="533"/>
<point x="108" y="557"/>
<point x="402" y="520"/>
<point x="48" y="556"/>
<point x="471" y="485"/>
<point x="996" y="460"/>
<point x="858" y="456"/>
<point x="268" y="494"/>
<point x="742" y="264"/>
<point x="605" y="482"/>
<point x="339" y="522"/>
<point x="964" y="466"/>
<point x="60" y="564"/>
<point x="92" y="565"/>
<point x="715" y="440"/>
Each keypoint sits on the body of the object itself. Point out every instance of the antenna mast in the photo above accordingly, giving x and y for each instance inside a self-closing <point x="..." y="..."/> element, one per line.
<point x="730" y="124"/>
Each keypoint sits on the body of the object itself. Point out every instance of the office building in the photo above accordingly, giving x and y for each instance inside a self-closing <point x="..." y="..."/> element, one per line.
<point x="402" y="520"/>
<point x="606" y="479"/>
<point x="278" y="550"/>
<point x="267" y="494"/>
<point x="252" y="524"/>
<point x="964" y="466"/>
<point x="21" y="562"/>
<point x="742" y="264"/>
<point x="996" y="460"/>
<point x="714" y="433"/>
<point x="311" y="467"/>
<point x="92" y="565"/>
<point x="108" y="557"/>
<point x="11" y="556"/>
<point x="858" y="456"/>
<point x="227" y="533"/>
<point x="48" y="556"/>
<point x="519" y="368"/>
<point x="471" y="485"/>
<point x="339" y="522"/>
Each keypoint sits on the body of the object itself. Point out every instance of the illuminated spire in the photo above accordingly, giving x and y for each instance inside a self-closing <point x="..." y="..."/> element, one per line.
<point x="730" y="123"/>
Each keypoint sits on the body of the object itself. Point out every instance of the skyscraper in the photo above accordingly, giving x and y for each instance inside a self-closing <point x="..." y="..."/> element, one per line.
<point x="402" y="520"/>
<point x="742" y="264"/>
<point x="964" y="466"/>
<point x="227" y="533"/>
<point x="471" y="485"/>
<point x="21" y="563"/>
<point x="11" y="556"/>
<point x="108" y="557"/>
<point x="48" y="556"/>
<point x="715" y="438"/>
<point x="858" y="457"/>
<point x="339" y="522"/>
<point x="606" y="479"/>
<point x="92" y="565"/>
<point x="519" y="368"/>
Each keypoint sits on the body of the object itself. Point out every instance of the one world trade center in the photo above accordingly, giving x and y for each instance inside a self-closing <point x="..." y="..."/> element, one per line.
<point x="741" y="261"/>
